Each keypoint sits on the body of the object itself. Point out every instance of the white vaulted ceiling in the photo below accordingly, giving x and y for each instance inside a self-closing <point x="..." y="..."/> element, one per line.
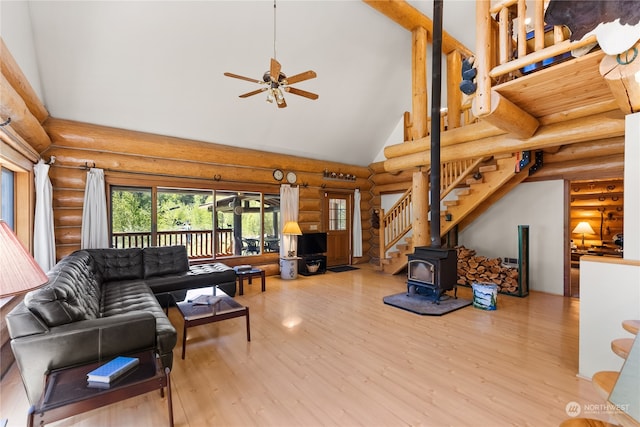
<point x="157" y="66"/>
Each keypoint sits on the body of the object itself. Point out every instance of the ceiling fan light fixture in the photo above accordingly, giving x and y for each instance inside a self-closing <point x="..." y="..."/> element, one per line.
<point x="279" y="95"/>
<point x="275" y="81"/>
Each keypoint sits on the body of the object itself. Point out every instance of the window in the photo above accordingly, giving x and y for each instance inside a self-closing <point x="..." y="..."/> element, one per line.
<point x="130" y="217"/>
<point x="7" y="210"/>
<point x="337" y="214"/>
<point x="210" y="223"/>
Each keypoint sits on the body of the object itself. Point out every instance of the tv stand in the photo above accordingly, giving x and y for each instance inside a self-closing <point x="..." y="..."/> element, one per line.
<point x="304" y="260"/>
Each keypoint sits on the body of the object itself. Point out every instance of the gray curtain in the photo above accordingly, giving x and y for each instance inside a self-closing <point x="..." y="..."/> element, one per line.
<point x="357" y="225"/>
<point x="95" y="229"/>
<point x="44" y="244"/>
<point x="289" y="206"/>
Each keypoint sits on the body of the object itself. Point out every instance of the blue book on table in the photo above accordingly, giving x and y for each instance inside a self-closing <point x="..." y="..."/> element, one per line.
<point x="113" y="369"/>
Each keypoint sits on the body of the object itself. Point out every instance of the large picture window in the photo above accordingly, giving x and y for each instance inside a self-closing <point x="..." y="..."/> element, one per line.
<point x="210" y="223"/>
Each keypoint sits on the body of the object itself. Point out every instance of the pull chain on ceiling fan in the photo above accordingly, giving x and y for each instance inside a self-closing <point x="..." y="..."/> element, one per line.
<point x="275" y="82"/>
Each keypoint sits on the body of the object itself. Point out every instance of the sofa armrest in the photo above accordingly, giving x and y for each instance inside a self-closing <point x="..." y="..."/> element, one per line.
<point x="80" y="342"/>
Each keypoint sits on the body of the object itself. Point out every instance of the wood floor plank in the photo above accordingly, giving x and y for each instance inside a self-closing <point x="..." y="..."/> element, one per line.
<point x="326" y="351"/>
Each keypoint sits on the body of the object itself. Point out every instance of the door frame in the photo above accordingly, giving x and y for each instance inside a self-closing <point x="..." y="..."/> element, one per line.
<point x="326" y="194"/>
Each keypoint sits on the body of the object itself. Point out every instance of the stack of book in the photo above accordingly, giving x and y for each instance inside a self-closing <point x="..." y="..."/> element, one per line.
<point x="205" y="300"/>
<point x="104" y="375"/>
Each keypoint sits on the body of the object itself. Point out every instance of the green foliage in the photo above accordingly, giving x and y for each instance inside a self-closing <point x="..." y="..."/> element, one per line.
<point x="131" y="210"/>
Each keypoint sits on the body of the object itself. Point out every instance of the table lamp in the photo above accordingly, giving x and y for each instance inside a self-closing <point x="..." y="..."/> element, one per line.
<point x="291" y="228"/>
<point x="19" y="272"/>
<point x="583" y="228"/>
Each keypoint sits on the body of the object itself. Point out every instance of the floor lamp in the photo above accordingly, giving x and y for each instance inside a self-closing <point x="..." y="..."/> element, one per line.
<point x="583" y="228"/>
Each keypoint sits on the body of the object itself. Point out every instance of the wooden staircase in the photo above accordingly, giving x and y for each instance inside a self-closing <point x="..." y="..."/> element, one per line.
<point x="470" y="188"/>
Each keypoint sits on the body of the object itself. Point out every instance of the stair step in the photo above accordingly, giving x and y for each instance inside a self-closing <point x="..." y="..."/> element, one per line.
<point x="603" y="382"/>
<point x="488" y="168"/>
<point x="463" y="191"/>
<point x="471" y="181"/>
<point x="622" y="346"/>
<point x="450" y="203"/>
<point x="586" y="422"/>
<point x="631" y="326"/>
<point x="502" y="156"/>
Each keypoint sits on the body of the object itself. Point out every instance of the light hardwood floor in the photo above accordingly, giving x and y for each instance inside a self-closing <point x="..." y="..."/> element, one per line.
<point x="325" y="350"/>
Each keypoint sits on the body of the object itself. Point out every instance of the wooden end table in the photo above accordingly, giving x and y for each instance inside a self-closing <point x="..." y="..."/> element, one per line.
<point x="250" y="274"/>
<point x="66" y="392"/>
<point x="198" y="314"/>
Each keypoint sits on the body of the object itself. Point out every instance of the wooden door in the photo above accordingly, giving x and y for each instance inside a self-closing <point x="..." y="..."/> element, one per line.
<point x="337" y="223"/>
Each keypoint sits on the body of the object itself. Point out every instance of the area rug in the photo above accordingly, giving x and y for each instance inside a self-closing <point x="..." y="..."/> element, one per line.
<point x="424" y="305"/>
<point x="341" y="268"/>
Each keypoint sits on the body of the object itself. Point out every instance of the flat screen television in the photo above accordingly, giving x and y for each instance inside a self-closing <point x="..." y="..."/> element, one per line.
<point x="312" y="243"/>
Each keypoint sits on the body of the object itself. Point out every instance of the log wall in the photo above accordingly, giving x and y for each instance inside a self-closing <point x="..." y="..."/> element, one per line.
<point x="167" y="161"/>
<point x="601" y="204"/>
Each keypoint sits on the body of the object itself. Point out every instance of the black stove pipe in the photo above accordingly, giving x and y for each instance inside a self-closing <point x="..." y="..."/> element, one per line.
<point x="436" y="90"/>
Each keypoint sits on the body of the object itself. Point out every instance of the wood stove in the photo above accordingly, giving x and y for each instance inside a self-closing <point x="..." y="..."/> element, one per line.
<point x="432" y="271"/>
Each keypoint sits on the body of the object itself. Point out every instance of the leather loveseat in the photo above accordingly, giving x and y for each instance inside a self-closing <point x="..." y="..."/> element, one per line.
<point x="99" y="303"/>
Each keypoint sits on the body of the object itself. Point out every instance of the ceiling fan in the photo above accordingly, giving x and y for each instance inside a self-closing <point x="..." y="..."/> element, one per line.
<point x="275" y="82"/>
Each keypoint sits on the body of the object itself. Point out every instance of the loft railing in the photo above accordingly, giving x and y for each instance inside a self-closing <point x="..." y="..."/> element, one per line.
<point x="508" y="42"/>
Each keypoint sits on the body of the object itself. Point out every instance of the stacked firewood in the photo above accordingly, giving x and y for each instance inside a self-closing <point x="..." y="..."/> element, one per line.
<point x="473" y="268"/>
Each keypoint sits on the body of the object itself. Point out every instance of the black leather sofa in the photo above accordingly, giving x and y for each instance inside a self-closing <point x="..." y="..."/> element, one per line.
<point x="99" y="303"/>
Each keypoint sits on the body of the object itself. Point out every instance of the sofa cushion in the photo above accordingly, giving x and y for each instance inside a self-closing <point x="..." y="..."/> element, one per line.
<point x="164" y="260"/>
<point x="134" y="296"/>
<point x="117" y="264"/>
<point x="71" y="294"/>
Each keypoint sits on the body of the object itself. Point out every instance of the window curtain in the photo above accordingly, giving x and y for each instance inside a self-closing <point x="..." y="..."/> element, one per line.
<point x="95" y="229"/>
<point x="357" y="225"/>
<point x="44" y="245"/>
<point x="289" y="204"/>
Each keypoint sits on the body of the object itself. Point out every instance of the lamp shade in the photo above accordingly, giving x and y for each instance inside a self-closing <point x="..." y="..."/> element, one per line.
<point x="583" y="228"/>
<point x="291" y="228"/>
<point x="19" y="272"/>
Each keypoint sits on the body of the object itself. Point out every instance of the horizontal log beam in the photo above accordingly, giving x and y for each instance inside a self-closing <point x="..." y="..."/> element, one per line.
<point x="599" y="148"/>
<point x="451" y="137"/>
<point x="601" y="167"/>
<point x="101" y="138"/>
<point x="600" y="126"/>
<point x="409" y="18"/>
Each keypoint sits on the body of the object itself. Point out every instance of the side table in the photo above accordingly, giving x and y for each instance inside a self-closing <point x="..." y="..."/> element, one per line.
<point x="66" y="392"/>
<point x="254" y="272"/>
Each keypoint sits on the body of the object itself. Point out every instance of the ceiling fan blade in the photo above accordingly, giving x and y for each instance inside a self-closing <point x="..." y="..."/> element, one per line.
<point x="255" y="92"/>
<point x="235" y="76"/>
<point x="301" y="92"/>
<point x="301" y="77"/>
<point x="274" y="70"/>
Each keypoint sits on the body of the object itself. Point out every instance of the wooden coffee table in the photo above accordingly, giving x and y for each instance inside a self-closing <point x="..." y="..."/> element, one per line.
<point x="195" y="314"/>
<point x="66" y="392"/>
<point x="250" y="274"/>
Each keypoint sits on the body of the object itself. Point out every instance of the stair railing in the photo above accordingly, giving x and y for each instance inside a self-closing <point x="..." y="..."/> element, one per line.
<point x="396" y="223"/>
